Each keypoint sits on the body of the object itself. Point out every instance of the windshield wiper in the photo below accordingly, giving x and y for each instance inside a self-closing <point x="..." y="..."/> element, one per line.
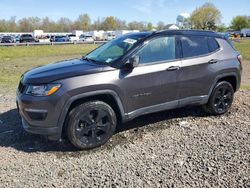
<point x="91" y="60"/>
<point x="88" y="59"/>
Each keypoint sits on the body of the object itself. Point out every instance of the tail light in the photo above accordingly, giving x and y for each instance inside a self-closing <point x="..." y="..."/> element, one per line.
<point x="239" y="57"/>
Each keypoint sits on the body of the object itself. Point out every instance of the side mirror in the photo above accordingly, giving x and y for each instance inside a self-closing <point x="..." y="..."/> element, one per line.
<point x="132" y="62"/>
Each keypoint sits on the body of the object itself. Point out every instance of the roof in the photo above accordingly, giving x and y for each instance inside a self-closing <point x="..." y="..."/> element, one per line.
<point x="191" y="32"/>
<point x="138" y="34"/>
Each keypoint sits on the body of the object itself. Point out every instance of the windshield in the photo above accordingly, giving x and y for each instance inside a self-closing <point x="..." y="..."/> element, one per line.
<point x="113" y="50"/>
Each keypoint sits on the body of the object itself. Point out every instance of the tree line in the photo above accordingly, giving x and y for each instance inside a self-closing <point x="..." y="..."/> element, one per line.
<point x="83" y="22"/>
<point x="206" y="17"/>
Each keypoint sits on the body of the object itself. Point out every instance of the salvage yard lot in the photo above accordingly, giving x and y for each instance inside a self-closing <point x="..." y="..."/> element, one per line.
<point x="177" y="148"/>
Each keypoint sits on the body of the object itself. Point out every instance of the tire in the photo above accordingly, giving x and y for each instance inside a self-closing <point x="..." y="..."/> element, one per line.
<point x="221" y="99"/>
<point x="91" y="125"/>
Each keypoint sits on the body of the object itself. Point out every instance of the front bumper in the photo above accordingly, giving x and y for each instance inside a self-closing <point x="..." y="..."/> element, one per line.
<point x="40" y="115"/>
<point x="53" y="133"/>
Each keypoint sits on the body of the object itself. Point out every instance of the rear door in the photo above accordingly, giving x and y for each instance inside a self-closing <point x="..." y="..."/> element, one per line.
<point x="198" y="66"/>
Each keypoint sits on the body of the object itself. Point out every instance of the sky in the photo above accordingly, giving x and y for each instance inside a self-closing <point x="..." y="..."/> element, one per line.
<point x="129" y="10"/>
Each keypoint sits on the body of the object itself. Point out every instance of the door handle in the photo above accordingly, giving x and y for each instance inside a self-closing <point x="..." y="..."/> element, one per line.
<point x="173" y="68"/>
<point x="213" y="61"/>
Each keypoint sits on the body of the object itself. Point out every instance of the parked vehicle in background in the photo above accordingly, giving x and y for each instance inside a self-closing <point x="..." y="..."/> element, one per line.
<point x="37" y="33"/>
<point x="78" y="33"/>
<point x="60" y="38"/>
<point x="236" y="34"/>
<point x="52" y="38"/>
<point x="233" y="34"/>
<point x="17" y="38"/>
<point x="72" y="38"/>
<point x="97" y="35"/>
<point x="86" y="38"/>
<point x="1" y="36"/>
<point x="245" y="32"/>
<point x="8" y="39"/>
<point x="26" y="38"/>
<point x="43" y="39"/>
<point x="110" y="36"/>
<point x="133" y="75"/>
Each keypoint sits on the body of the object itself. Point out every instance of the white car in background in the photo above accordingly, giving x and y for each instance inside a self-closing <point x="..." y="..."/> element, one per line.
<point x="72" y="38"/>
<point x="86" y="38"/>
<point x="110" y="36"/>
<point x="43" y="39"/>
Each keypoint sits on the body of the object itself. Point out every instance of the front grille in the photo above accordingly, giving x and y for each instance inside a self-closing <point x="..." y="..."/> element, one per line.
<point x="21" y="87"/>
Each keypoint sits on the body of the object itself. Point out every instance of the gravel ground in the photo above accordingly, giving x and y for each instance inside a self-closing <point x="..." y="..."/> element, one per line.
<point x="178" y="148"/>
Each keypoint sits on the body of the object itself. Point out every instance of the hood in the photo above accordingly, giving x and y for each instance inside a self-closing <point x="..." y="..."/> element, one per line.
<point x="62" y="70"/>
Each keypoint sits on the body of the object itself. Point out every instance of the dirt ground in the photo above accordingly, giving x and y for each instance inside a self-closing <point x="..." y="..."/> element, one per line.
<point x="176" y="148"/>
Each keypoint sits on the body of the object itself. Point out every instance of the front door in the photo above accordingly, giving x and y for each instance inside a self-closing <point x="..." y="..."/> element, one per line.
<point x="152" y="85"/>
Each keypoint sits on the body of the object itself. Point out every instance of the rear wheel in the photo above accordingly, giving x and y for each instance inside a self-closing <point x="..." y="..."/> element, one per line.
<point x="221" y="99"/>
<point x="91" y="124"/>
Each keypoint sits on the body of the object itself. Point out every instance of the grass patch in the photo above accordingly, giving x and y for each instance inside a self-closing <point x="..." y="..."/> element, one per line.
<point x="8" y="53"/>
<point x="243" y="46"/>
<point x="11" y="70"/>
<point x="14" y="61"/>
<point x="244" y="87"/>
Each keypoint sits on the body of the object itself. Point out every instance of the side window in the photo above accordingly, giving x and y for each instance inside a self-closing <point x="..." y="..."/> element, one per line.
<point x="194" y="46"/>
<point x="213" y="44"/>
<point x="159" y="49"/>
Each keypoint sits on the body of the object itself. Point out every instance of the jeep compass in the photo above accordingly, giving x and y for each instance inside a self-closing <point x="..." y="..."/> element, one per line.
<point x="133" y="75"/>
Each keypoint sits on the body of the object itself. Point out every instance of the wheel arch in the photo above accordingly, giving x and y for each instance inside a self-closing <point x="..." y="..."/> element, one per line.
<point x="232" y="78"/>
<point x="108" y="96"/>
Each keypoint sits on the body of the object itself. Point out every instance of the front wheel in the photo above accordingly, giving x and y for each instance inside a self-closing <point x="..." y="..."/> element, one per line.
<point x="91" y="124"/>
<point x="221" y="99"/>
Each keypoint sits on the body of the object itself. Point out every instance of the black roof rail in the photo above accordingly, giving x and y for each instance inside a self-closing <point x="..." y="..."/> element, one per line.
<point x="190" y="32"/>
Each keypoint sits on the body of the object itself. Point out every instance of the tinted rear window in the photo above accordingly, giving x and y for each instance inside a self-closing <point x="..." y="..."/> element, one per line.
<point x="194" y="46"/>
<point x="212" y="44"/>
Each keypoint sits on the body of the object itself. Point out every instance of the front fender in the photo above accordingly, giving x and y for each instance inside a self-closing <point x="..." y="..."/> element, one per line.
<point x="74" y="98"/>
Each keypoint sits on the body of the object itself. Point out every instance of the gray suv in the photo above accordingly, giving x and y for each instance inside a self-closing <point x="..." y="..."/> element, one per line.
<point x="136" y="74"/>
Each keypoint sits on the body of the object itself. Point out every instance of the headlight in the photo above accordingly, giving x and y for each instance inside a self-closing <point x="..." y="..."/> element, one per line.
<point x="43" y="90"/>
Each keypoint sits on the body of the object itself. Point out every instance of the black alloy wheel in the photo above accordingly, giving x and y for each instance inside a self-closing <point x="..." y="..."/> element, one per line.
<point x="91" y="125"/>
<point x="221" y="99"/>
